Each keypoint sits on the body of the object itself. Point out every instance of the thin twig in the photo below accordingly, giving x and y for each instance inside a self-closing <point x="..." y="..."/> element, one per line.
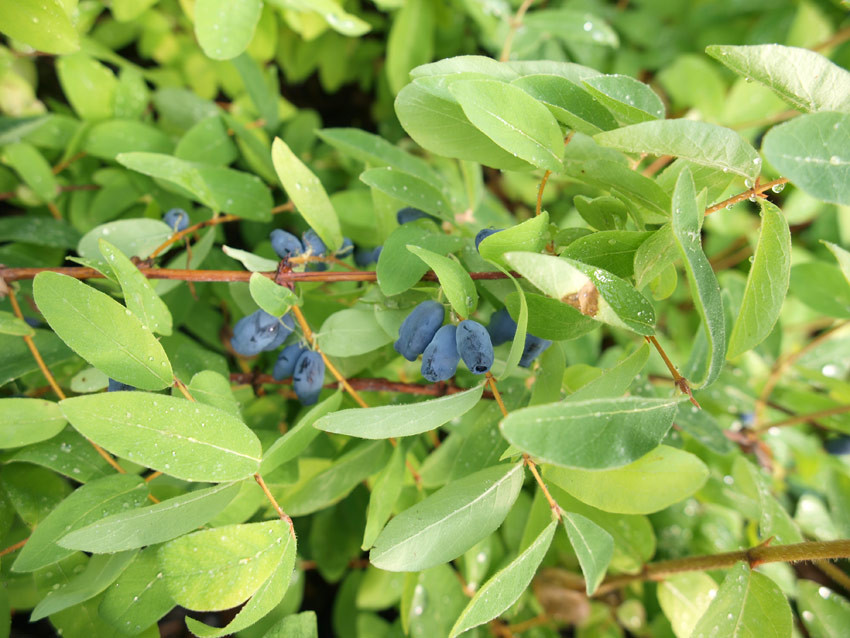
<point x="183" y="389"/>
<point x="61" y="166"/>
<point x="837" y="575"/>
<point x="756" y="190"/>
<point x="766" y="121"/>
<point x="515" y="23"/>
<point x="657" y="165"/>
<point x="540" y="192"/>
<point x="837" y="38"/>
<point x="283" y="515"/>
<point x="803" y="418"/>
<point x="680" y="381"/>
<point x="14" y="548"/>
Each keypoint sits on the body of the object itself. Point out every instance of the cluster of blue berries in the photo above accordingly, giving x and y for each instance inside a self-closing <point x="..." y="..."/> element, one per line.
<point x="287" y="245"/>
<point x="502" y="328"/>
<point x="443" y="347"/>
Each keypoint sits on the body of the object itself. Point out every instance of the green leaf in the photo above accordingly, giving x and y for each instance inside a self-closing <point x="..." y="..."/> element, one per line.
<point x="385" y="493"/>
<point x="45" y="26"/>
<point x="435" y="121"/>
<point x="704" y="286"/>
<point x="351" y="332"/>
<point x="398" y="269"/>
<point x="34" y="170"/>
<point x="704" y="428"/>
<point x="550" y="318"/>
<point x="191" y="441"/>
<point x="139" y="295"/>
<point x="336" y="16"/>
<point x="747" y="604"/>
<point x="520" y="316"/>
<point x="529" y="236"/>
<point x="806" y="80"/>
<point x="622" y="430"/>
<point x="274" y="299"/>
<point x="107" y="139"/>
<point x="449" y="522"/>
<point x="596" y="293"/>
<point x="207" y="141"/>
<point x="67" y="453"/>
<point x="42" y="231"/>
<point x="841" y="256"/>
<point x="303" y="625"/>
<point x="410" y="41"/>
<point x="699" y="142"/>
<point x="684" y="599"/>
<point x="28" y="421"/>
<point x="265" y="600"/>
<point x="150" y="525"/>
<point x="825" y="614"/>
<point x="139" y="597"/>
<point x="611" y="250"/>
<point x="102" y="331"/>
<point x="767" y="283"/>
<point x="134" y="237"/>
<point x="217" y="187"/>
<point x="264" y="98"/>
<point x="512" y="119"/>
<point x="454" y="280"/>
<point x="220" y="568"/>
<point x="572" y="27"/>
<point x="88" y="85"/>
<point x="627" y="185"/>
<point x="88" y="503"/>
<point x="101" y="571"/>
<point x="400" y="420"/>
<point x="11" y="325"/>
<point x="506" y="586"/>
<point x="410" y="189"/>
<point x="615" y="381"/>
<point x="213" y="388"/>
<point x="224" y="29"/>
<point x="593" y="546"/>
<point x="654" y="255"/>
<point x="602" y="213"/>
<point x="812" y="151"/>
<point x="628" y="99"/>
<point x="252" y="262"/>
<point x="658" y="479"/>
<point x="822" y="287"/>
<point x="307" y="193"/>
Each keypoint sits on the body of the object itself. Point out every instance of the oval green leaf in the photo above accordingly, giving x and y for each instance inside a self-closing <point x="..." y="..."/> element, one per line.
<point x="529" y="236"/>
<point x="25" y="421"/>
<point x="410" y="189"/>
<point x="594" y="548"/>
<point x="43" y="25"/>
<point x="274" y="299"/>
<point x="630" y="100"/>
<point x="102" y="331"/>
<point x="223" y="28"/>
<point x="454" y="280"/>
<point x="684" y="599"/>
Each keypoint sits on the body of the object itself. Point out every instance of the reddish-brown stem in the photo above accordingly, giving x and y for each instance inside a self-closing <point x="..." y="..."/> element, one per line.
<point x="680" y="381"/>
<point x="756" y="190"/>
<point x="153" y="475"/>
<point x="657" y="165"/>
<point x="515" y="23"/>
<point x="803" y="418"/>
<point x="14" y="548"/>
<point x="183" y="389"/>
<point x="283" y="515"/>
<point x="540" y="190"/>
<point x="61" y="166"/>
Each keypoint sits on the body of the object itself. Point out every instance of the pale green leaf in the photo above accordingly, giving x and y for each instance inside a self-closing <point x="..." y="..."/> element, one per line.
<point x="410" y="41"/>
<point x="630" y="100"/>
<point x="45" y="26"/>
<point x="654" y="255"/>
<point x="351" y="332"/>
<point x="615" y="381"/>
<point x="529" y="236"/>
<point x="400" y="420"/>
<point x="252" y="262"/>
<point x="26" y="421"/>
<point x="107" y="139"/>
<point x="841" y="256"/>
<point x="410" y="189"/>
<point x="449" y="522"/>
<point x="825" y="613"/>
<point x="187" y="440"/>
<point x="274" y="299"/>
<point x="213" y="388"/>
<point x="26" y="160"/>
<point x="102" y="331"/>
<point x="88" y="85"/>
<point x="11" y="325"/>
<point x="593" y="546"/>
<point x="139" y="597"/>
<point x="398" y="269"/>
<point x="335" y="15"/>
<point x="684" y="599"/>
<point x="454" y="280"/>
<point x="133" y="237"/>
<point x="385" y="493"/>
<point x="224" y="29"/>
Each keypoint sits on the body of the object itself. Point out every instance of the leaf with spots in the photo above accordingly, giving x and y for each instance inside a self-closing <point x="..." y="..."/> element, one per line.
<point x="190" y="441"/>
<point x="139" y="597"/>
<point x="219" y="568"/>
<point x="410" y="189"/>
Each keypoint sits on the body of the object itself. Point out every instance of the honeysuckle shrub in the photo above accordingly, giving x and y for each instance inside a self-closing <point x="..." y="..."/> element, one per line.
<point x="670" y="184"/>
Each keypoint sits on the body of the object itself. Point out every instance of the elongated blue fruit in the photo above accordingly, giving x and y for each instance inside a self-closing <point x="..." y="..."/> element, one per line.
<point x="260" y="331"/>
<point x="313" y="245"/>
<point x="117" y="386"/>
<point x="308" y="377"/>
<point x="440" y="359"/>
<point x="474" y="346"/>
<point x="534" y="347"/>
<point x="484" y="233"/>
<point x="363" y="257"/>
<point x="502" y="328"/>
<point x="418" y="328"/>
<point x="409" y="214"/>
<point x="285" y="244"/>
<point x="177" y="219"/>
<point x="838" y="447"/>
<point x="285" y="365"/>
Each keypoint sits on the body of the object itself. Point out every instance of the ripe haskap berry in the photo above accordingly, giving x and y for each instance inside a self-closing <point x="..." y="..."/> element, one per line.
<point x="839" y="446"/>
<point x="363" y="257"/>
<point x="534" y="347"/>
<point x="502" y="328"/>
<point x="177" y="219"/>
<point x="260" y="331"/>
<point x="286" y="360"/>
<point x="308" y="377"/>
<point x="117" y="386"/>
<point x="410" y="214"/>
<point x="440" y="359"/>
<point x="418" y="328"/>
<point x="285" y="244"/>
<point x="346" y="249"/>
<point x="474" y="346"/>
<point x="484" y="233"/>
<point x="314" y="246"/>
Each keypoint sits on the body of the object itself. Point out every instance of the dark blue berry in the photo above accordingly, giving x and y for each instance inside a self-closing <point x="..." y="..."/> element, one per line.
<point x="308" y="377"/>
<point x="484" y="233"/>
<point x="177" y="219"/>
<point x="440" y="359"/>
<point x="839" y="446"/>
<point x="260" y="331"/>
<point x="117" y="386"/>
<point x="314" y="246"/>
<point x="534" y="347"/>
<point x="286" y="360"/>
<point x="502" y="328"/>
<point x="474" y="346"/>
<point x="346" y="249"/>
<point x="418" y="328"/>
<point x="410" y="214"/>
<point x="363" y="257"/>
<point x="285" y="244"/>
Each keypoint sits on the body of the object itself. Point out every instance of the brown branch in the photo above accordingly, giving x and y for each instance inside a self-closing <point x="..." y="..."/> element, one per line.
<point x="61" y="166"/>
<point x="803" y="418"/>
<point x="657" y="165"/>
<point x="183" y="389"/>
<point x="766" y="121"/>
<point x="756" y="190"/>
<point x="837" y="38"/>
<point x="514" y="24"/>
<point x="14" y="548"/>
<point x="680" y="381"/>
<point x="837" y="575"/>
<point x="283" y="515"/>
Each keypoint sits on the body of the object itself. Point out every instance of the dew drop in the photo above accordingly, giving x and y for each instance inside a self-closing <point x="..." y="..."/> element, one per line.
<point x="588" y="25"/>
<point x="777" y="188"/>
<point x="835" y="160"/>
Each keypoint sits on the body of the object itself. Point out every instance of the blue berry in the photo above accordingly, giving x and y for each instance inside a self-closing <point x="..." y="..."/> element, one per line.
<point x="260" y="331"/>
<point x="117" y="386"/>
<point x="308" y="377"/>
<point x="363" y="257"/>
<point x="474" y="346"/>
<point x="177" y="219"/>
<point x="313" y="245"/>
<point x="410" y="214"/>
<point x="534" y="347"/>
<point x="418" y="328"/>
<point x="839" y="446"/>
<point x="484" y="233"/>
<point x="286" y="360"/>
<point x="346" y="249"/>
<point x="440" y="359"/>
<point x="502" y="328"/>
<point x="285" y="244"/>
